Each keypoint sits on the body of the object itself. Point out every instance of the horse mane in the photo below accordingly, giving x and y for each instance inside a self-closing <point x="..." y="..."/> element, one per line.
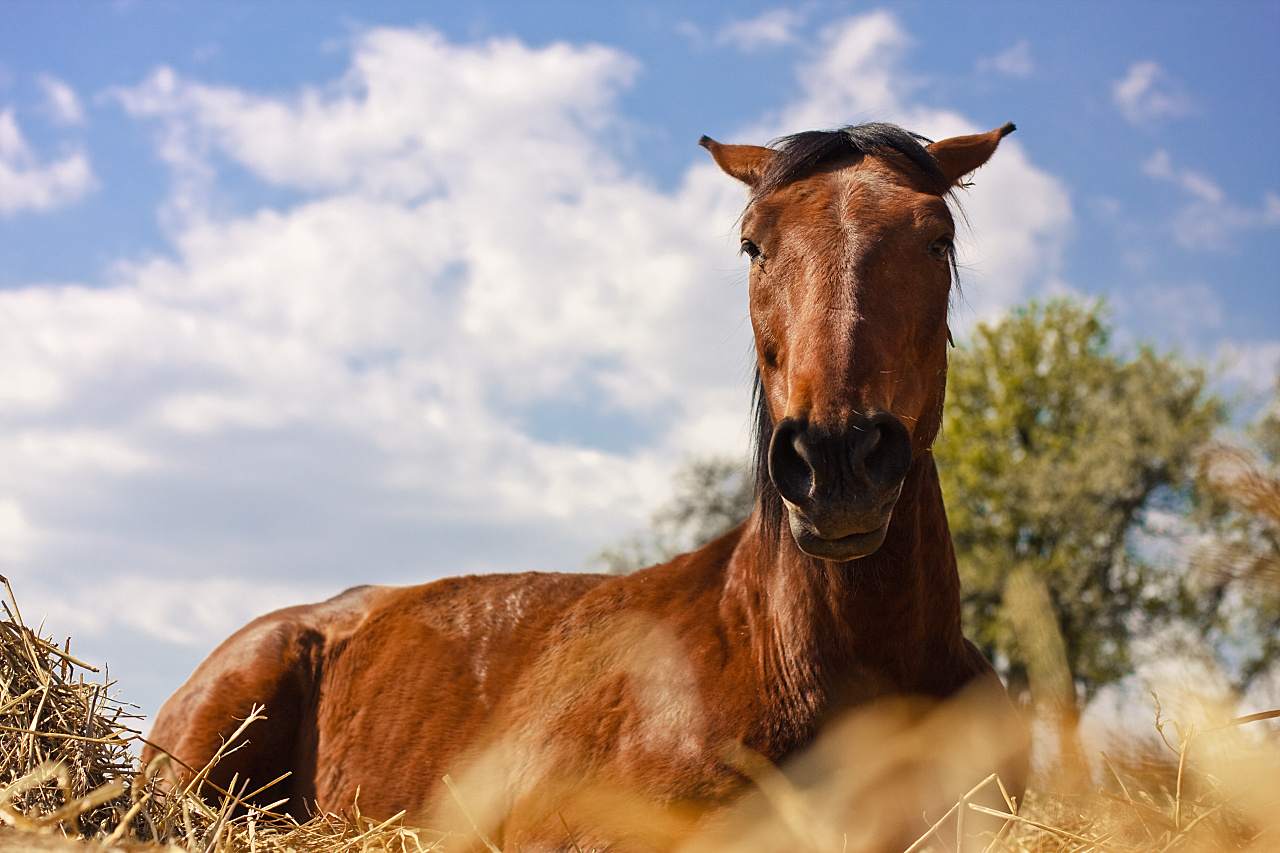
<point x="768" y="498"/>
<point x="798" y="155"/>
<point x="801" y="153"/>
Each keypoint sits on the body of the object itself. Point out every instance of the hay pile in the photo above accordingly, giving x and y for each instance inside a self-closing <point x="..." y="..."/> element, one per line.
<point x="64" y="742"/>
<point x="69" y="783"/>
<point x="69" y="780"/>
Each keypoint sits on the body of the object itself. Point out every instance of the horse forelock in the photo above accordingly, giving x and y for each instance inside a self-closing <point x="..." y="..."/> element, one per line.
<point x="803" y="152"/>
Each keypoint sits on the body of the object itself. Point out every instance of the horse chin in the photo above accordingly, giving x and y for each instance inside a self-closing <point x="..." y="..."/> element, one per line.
<point x="850" y="546"/>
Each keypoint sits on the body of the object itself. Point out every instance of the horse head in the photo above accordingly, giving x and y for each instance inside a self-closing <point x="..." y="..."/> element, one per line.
<point x="850" y="239"/>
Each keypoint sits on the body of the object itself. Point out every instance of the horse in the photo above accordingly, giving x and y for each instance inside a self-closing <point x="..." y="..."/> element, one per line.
<point x="535" y="711"/>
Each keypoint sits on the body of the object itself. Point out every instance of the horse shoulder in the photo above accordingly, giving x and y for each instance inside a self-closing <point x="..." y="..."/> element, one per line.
<point x="420" y="680"/>
<point x="603" y="708"/>
<point x="638" y="676"/>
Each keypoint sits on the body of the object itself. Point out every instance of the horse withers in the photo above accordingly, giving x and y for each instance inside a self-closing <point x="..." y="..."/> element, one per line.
<point x="636" y="712"/>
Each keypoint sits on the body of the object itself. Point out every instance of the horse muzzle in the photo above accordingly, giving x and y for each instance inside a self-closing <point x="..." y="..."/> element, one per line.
<point x="840" y="486"/>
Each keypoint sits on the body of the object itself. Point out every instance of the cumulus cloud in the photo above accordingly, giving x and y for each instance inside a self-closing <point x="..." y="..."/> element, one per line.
<point x="469" y="264"/>
<point x="1014" y="62"/>
<point x="15" y="531"/>
<point x="771" y="28"/>
<point x="411" y="369"/>
<point x="188" y="612"/>
<point x="61" y="100"/>
<point x="1253" y="364"/>
<point x="1209" y="219"/>
<point x="1148" y="93"/>
<point x="1180" y="311"/>
<point x="28" y="185"/>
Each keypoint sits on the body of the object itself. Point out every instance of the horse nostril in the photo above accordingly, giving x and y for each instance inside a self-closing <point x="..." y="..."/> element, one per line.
<point x="871" y="441"/>
<point x="789" y="467"/>
<point x="886" y="449"/>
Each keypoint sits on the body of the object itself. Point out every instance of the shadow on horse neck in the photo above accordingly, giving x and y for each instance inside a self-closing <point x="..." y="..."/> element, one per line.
<point x="578" y="711"/>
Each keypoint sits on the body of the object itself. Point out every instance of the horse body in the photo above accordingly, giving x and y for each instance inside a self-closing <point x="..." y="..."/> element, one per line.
<point x="558" y="700"/>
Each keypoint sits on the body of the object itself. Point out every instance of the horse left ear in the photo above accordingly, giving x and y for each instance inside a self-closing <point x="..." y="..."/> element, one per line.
<point x="960" y="155"/>
<point x="747" y="163"/>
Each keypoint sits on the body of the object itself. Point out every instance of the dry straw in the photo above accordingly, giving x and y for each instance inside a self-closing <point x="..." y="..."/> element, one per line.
<point x="68" y="782"/>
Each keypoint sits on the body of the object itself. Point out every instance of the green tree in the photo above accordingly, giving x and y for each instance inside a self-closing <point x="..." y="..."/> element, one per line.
<point x="1053" y="442"/>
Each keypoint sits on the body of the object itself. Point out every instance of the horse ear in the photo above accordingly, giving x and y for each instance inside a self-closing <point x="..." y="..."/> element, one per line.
<point x="747" y="163"/>
<point x="960" y="155"/>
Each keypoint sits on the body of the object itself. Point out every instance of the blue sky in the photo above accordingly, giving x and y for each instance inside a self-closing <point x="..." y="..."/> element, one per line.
<point x="300" y="295"/>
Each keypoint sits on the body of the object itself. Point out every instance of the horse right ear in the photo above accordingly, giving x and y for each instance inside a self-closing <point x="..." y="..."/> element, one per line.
<point x="747" y="163"/>
<point x="960" y="155"/>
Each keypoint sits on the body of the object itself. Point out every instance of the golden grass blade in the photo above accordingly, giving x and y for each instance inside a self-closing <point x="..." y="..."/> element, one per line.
<point x="62" y="735"/>
<point x="568" y="832"/>
<point x="929" y="833"/>
<point x="17" y="615"/>
<point x="45" y="771"/>
<point x="1186" y="831"/>
<point x="457" y="796"/>
<point x="1251" y="718"/>
<point x="1053" y="830"/>
<point x="88" y="802"/>
<point x="249" y="797"/>
<point x="126" y="819"/>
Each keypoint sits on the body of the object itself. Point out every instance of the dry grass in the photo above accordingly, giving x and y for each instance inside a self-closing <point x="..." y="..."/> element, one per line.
<point x="68" y="782"/>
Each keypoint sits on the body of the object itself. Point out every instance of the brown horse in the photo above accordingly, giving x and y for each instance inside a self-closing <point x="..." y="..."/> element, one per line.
<point x="557" y="702"/>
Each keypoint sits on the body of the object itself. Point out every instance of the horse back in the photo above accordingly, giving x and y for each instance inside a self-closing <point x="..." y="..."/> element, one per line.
<point x="374" y="684"/>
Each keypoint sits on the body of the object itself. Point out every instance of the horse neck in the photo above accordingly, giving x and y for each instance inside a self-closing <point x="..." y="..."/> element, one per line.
<point x="888" y="622"/>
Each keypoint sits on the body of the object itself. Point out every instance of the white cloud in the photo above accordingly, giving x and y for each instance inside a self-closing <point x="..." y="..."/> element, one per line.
<point x="1183" y="312"/>
<point x="26" y="184"/>
<point x="470" y="248"/>
<point x="15" y="531"/>
<point x="1014" y="62"/>
<point x="1187" y="316"/>
<point x="395" y="377"/>
<point x="411" y="111"/>
<point x="770" y="28"/>
<point x="1149" y="93"/>
<point x="1209" y="219"/>
<point x="187" y="612"/>
<point x="1020" y="216"/>
<point x="1253" y="364"/>
<point x="61" y="100"/>
<point x="852" y="77"/>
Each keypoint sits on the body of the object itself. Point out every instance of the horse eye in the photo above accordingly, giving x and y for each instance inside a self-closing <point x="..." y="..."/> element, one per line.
<point x="941" y="248"/>
<point x="751" y="250"/>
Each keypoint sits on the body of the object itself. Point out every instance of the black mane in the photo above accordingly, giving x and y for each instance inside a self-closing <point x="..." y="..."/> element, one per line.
<point x="768" y="498"/>
<point x="801" y="153"/>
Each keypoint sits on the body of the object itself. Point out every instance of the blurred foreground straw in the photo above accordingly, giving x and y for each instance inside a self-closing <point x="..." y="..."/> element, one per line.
<point x="68" y="784"/>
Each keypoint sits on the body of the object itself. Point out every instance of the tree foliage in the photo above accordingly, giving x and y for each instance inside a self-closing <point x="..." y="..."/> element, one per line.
<point x="1053" y="442"/>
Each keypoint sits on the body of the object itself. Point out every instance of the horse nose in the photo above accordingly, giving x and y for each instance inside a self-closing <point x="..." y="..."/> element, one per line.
<point x="854" y="465"/>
